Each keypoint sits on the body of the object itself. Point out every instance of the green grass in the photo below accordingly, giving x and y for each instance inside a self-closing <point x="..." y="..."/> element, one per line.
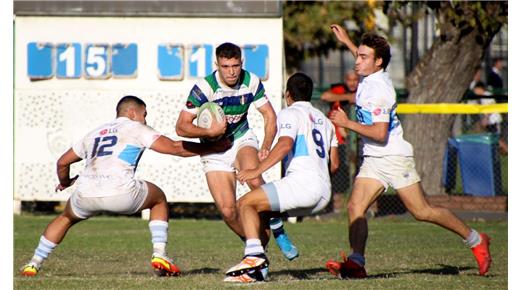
<point x="114" y="253"/>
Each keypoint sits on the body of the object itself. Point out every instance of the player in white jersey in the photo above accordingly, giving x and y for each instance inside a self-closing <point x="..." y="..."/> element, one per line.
<point x="388" y="159"/>
<point x="306" y="143"/>
<point x="235" y="90"/>
<point x="111" y="153"/>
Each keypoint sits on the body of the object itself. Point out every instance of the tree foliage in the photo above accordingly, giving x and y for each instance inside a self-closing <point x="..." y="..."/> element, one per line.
<point x="307" y="26"/>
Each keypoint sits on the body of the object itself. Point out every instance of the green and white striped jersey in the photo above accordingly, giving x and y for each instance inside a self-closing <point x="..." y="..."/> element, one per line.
<point x="234" y="101"/>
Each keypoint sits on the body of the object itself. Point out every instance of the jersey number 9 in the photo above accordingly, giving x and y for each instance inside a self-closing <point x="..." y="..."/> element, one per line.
<point x="318" y="140"/>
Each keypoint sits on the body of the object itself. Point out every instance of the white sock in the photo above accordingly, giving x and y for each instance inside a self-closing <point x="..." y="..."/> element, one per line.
<point x="45" y="247"/>
<point x="473" y="239"/>
<point x="159" y="231"/>
<point x="253" y="247"/>
<point x="159" y="248"/>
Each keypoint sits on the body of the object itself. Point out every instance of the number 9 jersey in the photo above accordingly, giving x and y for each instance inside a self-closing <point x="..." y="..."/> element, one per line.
<point x="112" y="152"/>
<point x="313" y="135"/>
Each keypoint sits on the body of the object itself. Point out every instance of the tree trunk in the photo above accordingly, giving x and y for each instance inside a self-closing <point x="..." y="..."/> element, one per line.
<point x="451" y="64"/>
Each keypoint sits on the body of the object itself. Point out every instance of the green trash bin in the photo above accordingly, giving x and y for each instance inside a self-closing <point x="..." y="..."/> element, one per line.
<point x="479" y="164"/>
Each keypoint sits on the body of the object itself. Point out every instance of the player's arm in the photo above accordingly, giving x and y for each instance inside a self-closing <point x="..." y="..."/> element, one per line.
<point x="330" y="97"/>
<point x="377" y="131"/>
<point x="280" y="150"/>
<point x="269" y="116"/>
<point x="63" y="169"/>
<point x="342" y="35"/>
<point x="166" y="145"/>
<point x="185" y="127"/>
<point x="334" y="159"/>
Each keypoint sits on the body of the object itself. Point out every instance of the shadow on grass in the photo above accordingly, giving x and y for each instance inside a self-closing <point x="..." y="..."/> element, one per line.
<point x="303" y="274"/>
<point x="309" y="274"/>
<point x="201" y="271"/>
<point x="442" y="270"/>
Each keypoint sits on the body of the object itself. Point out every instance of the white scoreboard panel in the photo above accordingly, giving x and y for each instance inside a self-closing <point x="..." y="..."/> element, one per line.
<point x="71" y="71"/>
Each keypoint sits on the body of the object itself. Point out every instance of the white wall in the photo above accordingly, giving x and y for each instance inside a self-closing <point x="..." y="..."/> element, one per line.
<point x="52" y="114"/>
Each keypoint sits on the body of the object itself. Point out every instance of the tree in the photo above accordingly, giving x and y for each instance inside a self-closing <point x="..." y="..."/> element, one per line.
<point x="443" y="75"/>
<point x="307" y="26"/>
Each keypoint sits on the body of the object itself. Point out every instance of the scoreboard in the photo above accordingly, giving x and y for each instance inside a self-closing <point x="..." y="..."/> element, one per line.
<point x="119" y="60"/>
<point x="71" y="71"/>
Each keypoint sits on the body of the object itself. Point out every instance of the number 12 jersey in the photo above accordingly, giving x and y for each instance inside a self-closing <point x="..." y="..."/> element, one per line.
<point x="111" y="153"/>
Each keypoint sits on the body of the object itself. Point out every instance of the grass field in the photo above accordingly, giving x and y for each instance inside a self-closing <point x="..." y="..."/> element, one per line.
<point x="114" y="252"/>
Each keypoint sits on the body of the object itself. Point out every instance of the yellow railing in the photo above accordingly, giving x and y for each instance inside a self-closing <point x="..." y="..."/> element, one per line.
<point x="450" y="108"/>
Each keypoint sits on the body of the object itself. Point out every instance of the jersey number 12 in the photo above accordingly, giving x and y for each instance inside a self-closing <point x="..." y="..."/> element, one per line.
<point x="104" y="145"/>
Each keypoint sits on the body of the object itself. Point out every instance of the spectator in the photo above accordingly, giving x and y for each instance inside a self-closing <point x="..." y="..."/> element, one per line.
<point x="494" y="77"/>
<point x="339" y="96"/>
<point x="489" y="122"/>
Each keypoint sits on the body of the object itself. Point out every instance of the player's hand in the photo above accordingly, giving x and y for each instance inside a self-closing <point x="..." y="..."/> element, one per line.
<point x="61" y="187"/>
<point x="247" y="174"/>
<point x="340" y="33"/>
<point x="339" y="118"/>
<point x="217" y="129"/>
<point x="262" y="154"/>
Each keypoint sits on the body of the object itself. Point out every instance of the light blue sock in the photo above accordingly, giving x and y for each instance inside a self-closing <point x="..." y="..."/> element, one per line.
<point x="42" y="252"/>
<point x="159" y="230"/>
<point x="473" y="239"/>
<point x="358" y="258"/>
<point x="276" y="226"/>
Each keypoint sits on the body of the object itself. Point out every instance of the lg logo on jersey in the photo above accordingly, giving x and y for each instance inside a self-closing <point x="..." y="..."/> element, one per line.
<point x="285" y="126"/>
<point x="318" y="122"/>
<point x="108" y="131"/>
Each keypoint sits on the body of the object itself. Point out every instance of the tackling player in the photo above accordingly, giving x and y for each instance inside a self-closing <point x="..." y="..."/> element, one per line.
<point x="388" y="159"/>
<point x="306" y="143"/>
<point x="111" y="153"/>
<point x="234" y="89"/>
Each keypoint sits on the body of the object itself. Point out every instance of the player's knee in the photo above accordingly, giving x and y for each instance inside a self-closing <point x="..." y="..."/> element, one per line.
<point x="229" y="214"/>
<point x="67" y="219"/>
<point x="245" y="202"/>
<point x="423" y="214"/>
<point x="241" y="203"/>
<point x="255" y="183"/>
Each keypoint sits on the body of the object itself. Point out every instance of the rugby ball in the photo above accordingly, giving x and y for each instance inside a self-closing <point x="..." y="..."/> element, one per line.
<point x="208" y="113"/>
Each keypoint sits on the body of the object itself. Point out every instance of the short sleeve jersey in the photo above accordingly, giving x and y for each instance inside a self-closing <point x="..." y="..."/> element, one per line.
<point x="376" y="102"/>
<point x="111" y="153"/>
<point x="313" y="136"/>
<point x="234" y="101"/>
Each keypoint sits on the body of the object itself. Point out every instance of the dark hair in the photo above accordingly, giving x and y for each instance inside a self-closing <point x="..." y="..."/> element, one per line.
<point x="228" y="50"/>
<point x="299" y="86"/>
<point x="480" y="84"/>
<point x="379" y="45"/>
<point x="122" y="105"/>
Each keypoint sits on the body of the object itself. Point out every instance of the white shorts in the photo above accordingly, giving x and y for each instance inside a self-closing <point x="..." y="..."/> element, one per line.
<point x="128" y="203"/>
<point x="298" y="195"/>
<point x="225" y="161"/>
<point x="394" y="171"/>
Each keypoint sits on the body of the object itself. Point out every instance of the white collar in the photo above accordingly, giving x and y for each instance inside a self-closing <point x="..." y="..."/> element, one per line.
<point x="377" y="74"/>
<point x="301" y="103"/>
